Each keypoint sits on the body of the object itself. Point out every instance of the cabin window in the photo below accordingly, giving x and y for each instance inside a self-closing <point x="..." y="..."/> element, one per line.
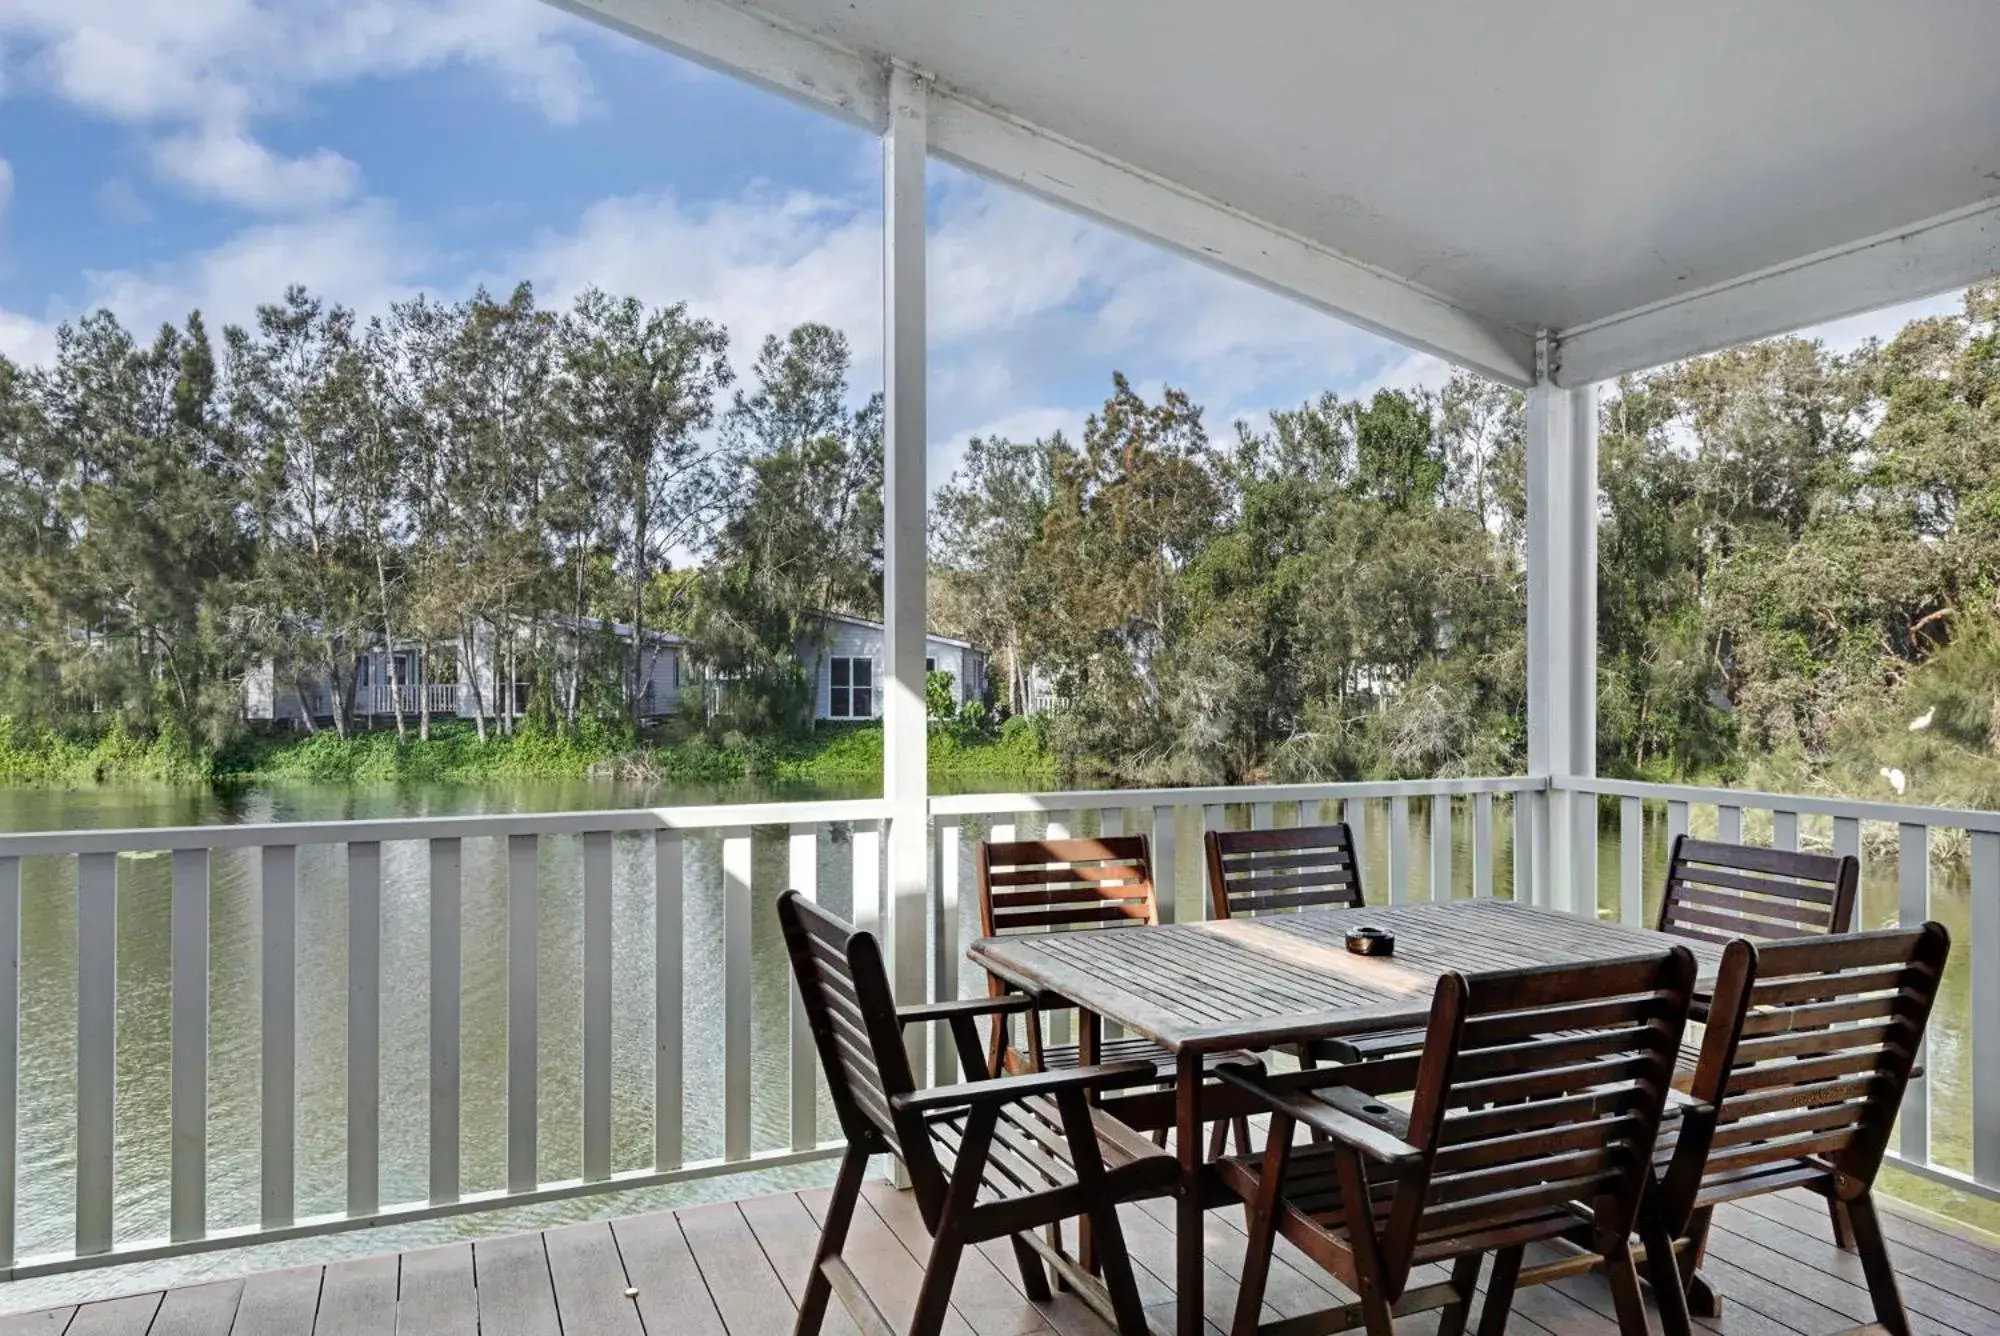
<point x="853" y="694"/>
<point x="930" y="666"/>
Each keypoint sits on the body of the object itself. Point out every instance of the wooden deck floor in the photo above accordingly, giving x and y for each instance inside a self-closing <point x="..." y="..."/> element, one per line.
<point x="734" y="1268"/>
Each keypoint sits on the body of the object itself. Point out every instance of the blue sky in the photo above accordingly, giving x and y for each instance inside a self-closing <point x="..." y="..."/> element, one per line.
<point x="158" y="157"/>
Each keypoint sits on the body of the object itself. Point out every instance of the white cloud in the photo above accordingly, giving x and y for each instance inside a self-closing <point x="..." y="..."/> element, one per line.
<point x="200" y="72"/>
<point x="121" y="200"/>
<point x="361" y="257"/>
<point x="759" y="264"/>
<point x="24" y="339"/>
<point x="223" y="162"/>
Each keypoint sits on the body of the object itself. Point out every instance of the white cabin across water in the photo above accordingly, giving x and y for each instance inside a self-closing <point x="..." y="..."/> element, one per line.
<point x="851" y="668"/>
<point x="450" y="687"/>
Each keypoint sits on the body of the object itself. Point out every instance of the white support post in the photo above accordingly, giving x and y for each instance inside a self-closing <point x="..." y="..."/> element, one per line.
<point x="1562" y="631"/>
<point x="905" y="782"/>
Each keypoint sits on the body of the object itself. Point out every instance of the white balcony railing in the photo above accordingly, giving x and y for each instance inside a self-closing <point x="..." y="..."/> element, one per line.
<point x="599" y="1000"/>
<point x="382" y="699"/>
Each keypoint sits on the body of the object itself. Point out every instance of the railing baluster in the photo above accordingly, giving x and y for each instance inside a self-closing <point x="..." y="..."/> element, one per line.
<point x="1441" y="846"/>
<point x="1677" y="820"/>
<point x="1985" y="1067"/>
<point x="1399" y="850"/>
<point x="280" y="875"/>
<point x="1165" y="876"/>
<point x="523" y="1012"/>
<point x="1482" y="846"/>
<point x="1785" y="831"/>
<point x="1354" y="812"/>
<point x="668" y="963"/>
<point x="10" y="1046"/>
<point x="945" y="841"/>
<point x="1110" y="822"/>
<point x="597" y="1004"/>
<point x="1524" y="847"/>
<point x="1847" y="840"/>
<point x="803" y="876"/>
<point x="364" y="1027"/>
<point x="1729" y="823"/>
<point x="96" y="1046"/>
<point x="736" y="864"/>
<point x="1631" y="862"/>
<point x="187" y="1176"/>
<point x="867" y="843"/>
<point x="1213" y="817"/>
<point x="447" y="928"/>
<point x="1263" y="816"/>
<point x="1057" y="826"/>
<point x="1913" y="903"/>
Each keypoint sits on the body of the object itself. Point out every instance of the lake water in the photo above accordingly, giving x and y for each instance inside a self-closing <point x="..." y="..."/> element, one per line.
<point x="48" y="1014"/>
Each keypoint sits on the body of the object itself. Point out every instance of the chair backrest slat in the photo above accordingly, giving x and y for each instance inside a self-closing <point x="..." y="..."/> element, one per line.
<point x="1538" y="1089"/>
<point x="1053" y="885"/>
<point x="1719" y="892"/>
<point x="845" y="990"/>
<point x="1300" y="867"/>
<point x="1808" y="1049"/>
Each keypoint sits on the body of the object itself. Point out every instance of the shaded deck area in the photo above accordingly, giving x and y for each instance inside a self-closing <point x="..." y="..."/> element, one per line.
<point x="734" y="1268"/>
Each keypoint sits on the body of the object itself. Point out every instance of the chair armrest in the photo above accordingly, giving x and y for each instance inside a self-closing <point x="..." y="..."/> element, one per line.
<point x="1007" y="1004"/>
<point x="1680" y="1104"/>
<point x="1376" y="1143"/>
<point x="1008" y="1089"/>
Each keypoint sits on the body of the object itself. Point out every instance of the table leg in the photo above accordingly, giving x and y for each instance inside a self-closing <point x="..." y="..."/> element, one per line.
<point x="1187" y="1212"/>
<point x="1089" y="1043"/>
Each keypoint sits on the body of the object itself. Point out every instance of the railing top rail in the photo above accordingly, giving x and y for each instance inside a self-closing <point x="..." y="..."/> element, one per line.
<point x="1952" y="818"/>
<point x="981" y="804"/>
<point x="714" y="816"/>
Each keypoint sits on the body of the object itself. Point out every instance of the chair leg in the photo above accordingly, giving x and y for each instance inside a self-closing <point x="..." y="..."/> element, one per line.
<point x="1115" y="1264"/>
<point x="1702" y="1299"/>
<point x="1218" y="1141"/>
<point x="1034" y="1280"/>
<point x="1464" y="1281"/>
<point x="1843" y="1227"/>
<point x="1664" y="1269"/>
<point x="1625" y="1296"/>
<point x="1874" y="1250"/>
<point x="832" y="1238"/>
<point x="1260" y="1225"/>
<point x="1500" y="1291"/>
<point x="940" y="1271"/>
<point x="1242" y="1126"/>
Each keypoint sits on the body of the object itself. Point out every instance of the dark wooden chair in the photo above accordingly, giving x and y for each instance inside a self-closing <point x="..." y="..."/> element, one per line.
<point x="1036" y="886"/>
<point x="1534" y="1112"/>
<point x="1719" y="892"/>
<point x="1279" y="871"/>
<point x="991" y="1158"/>
<point x="1808" y="1048"/>
<point x="1263" y="871"/>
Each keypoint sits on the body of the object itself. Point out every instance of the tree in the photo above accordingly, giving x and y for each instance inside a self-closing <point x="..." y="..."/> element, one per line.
<point x="801" y="533"/>
<point x="641" y="386"/>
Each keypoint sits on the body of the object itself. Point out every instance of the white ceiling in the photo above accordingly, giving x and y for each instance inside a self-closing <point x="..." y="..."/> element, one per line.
<point x="1535" y="163"/>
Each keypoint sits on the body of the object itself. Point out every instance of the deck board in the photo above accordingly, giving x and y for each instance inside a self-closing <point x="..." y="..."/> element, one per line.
<point x="737" y="1268"/>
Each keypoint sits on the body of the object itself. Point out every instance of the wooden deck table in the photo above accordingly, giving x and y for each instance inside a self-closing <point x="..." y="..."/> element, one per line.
<point x="1255" y="983"/>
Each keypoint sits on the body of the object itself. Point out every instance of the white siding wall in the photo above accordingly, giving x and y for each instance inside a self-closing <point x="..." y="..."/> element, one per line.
<point x="847" y="640"/>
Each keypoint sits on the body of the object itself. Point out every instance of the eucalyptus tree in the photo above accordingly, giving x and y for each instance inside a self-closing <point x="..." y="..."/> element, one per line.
<point x="801" y="533"/>
<point x="983" y="523"/>
<point x="642" y="385"/>
<point x="296" y="405"/>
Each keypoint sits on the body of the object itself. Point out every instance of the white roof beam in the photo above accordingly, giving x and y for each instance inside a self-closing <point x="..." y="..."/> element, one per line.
<point x="738" y="41"/>
<point x="1926" y="258"/>
<point x="733" y="40"/>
